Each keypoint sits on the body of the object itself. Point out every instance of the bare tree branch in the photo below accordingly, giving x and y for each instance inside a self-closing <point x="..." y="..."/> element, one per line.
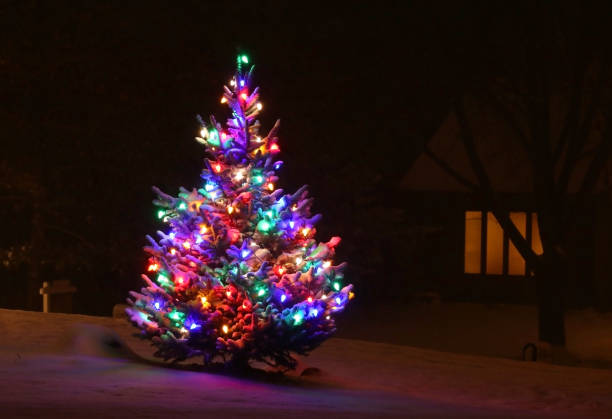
<point x="449" y="170"/>
<point x="510" y="119"/>
<point x="487" y="192"/>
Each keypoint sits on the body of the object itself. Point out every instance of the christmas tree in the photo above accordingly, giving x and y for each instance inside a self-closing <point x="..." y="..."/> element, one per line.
<point x="238" y="276"/>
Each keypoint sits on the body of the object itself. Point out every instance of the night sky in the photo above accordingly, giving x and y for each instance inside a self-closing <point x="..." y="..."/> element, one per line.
<point x="99" y="101"/>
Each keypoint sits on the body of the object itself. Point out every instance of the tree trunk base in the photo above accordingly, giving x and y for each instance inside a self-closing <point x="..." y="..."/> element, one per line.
<point x="555" y="354"/>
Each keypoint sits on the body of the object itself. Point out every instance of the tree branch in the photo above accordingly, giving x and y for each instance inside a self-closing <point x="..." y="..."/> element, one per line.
<point x="449" y="170"/>
<point x="488" y="194"/>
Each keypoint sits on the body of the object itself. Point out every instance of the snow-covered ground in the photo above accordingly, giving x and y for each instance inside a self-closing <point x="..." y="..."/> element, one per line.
<point x="57" y="365"/>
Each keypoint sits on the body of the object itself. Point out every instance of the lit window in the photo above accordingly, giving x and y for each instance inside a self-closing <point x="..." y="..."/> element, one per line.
<point x="488" y="250"/>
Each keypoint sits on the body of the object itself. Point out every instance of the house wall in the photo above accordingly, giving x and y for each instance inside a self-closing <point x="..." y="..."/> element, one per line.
<point x="438" y="265"/>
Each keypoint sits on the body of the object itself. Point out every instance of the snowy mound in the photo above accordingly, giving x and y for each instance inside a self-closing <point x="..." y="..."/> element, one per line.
<point x="58" y="365"/>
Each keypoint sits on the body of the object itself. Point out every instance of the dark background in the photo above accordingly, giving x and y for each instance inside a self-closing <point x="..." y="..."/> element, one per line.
<point x="99" y="102"/>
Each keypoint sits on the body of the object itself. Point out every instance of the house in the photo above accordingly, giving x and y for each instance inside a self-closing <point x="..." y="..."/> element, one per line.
<point x="474" y="259"/>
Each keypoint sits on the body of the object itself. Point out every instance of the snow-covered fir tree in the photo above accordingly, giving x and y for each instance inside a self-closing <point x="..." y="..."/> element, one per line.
<point x="237" y="275"/>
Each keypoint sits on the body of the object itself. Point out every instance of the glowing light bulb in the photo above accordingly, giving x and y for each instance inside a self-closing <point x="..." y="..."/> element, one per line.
<point x="232" y="82"/>
<point x="172" y="251"/>
<point x="161" y="213"/>
<point x="180" y="280"/>
<point x="310" y="299"/>
<point x="230" y="209"/>
<point x="213" y="194"/>
<point x="182" y="206"/>
<point x="294" y="207"/>
<point x="172" y="235"/>
<point x="244" y="59"/>
<point x="258" y="139"/>
<point x="244" y="96"/>
<point x="271" y="186"/>
<point x="261" y="292"/>
<point x="327" y="264"/>
<point x="298" y="260"/>
<point x="193" y="326"/>
<point x="281" y="270"/>
<point x="259" y="106"/>
<point x="336" y="286"/>
<point x="154" y="267"/>
<point x="204" y="300"/>
<point x="203" y="132"/>
<point x="264" y="226"/>
<point x="327" y="317"/>
<point x="314" y="312"/>
<point x="283" y="298"/>
<point x="157" y="305"/>
<point x="297" y="318"/>
<point x="228" y="293"/>
<point x="291" y="224"/>
<point x="239" y="175"/>
<point x="225" y="328"/>
<point x="223" y="99"/>
<point x="245" y="254"/>
<point x="258" y="179"/>
<point x="305" y="231"/>
<point x="223" y="136"/>
<point x="209" y="186"/>
<point x="241" y="83"/>
<point x="187" y="245"/>
<point x="338" y="300"/>
<point x="274" y="148"/>
<point x="217" y="167"/>
<point x="351" y="295"/>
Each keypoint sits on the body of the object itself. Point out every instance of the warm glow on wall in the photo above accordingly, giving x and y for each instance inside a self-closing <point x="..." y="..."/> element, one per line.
<point x="473" y="220"/>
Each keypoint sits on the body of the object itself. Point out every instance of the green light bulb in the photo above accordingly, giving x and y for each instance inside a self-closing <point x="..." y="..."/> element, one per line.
<point x="261" y="292"/>
<point x="182" y="206"/>
<point x="336" y="286"/>
<point x="161" y="213"/>
<point x="297" y="318"/>
<point x="244" y="59"/>
<point x="264" y="226"/>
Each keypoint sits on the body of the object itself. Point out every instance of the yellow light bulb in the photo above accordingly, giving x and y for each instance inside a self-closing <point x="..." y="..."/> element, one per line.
<point x="186" y="245"/>
<point x="223" y="99"/>
<point x="225" y="328"/>
<point x="259" y="106"/>
<point x="305" y="231"/>
<point x="327" y="264"/>
<point x="203" y="132"/>
<point x="271" y="186"/>
<point x="230" y="209"/>
<point x="202" y="228"/>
